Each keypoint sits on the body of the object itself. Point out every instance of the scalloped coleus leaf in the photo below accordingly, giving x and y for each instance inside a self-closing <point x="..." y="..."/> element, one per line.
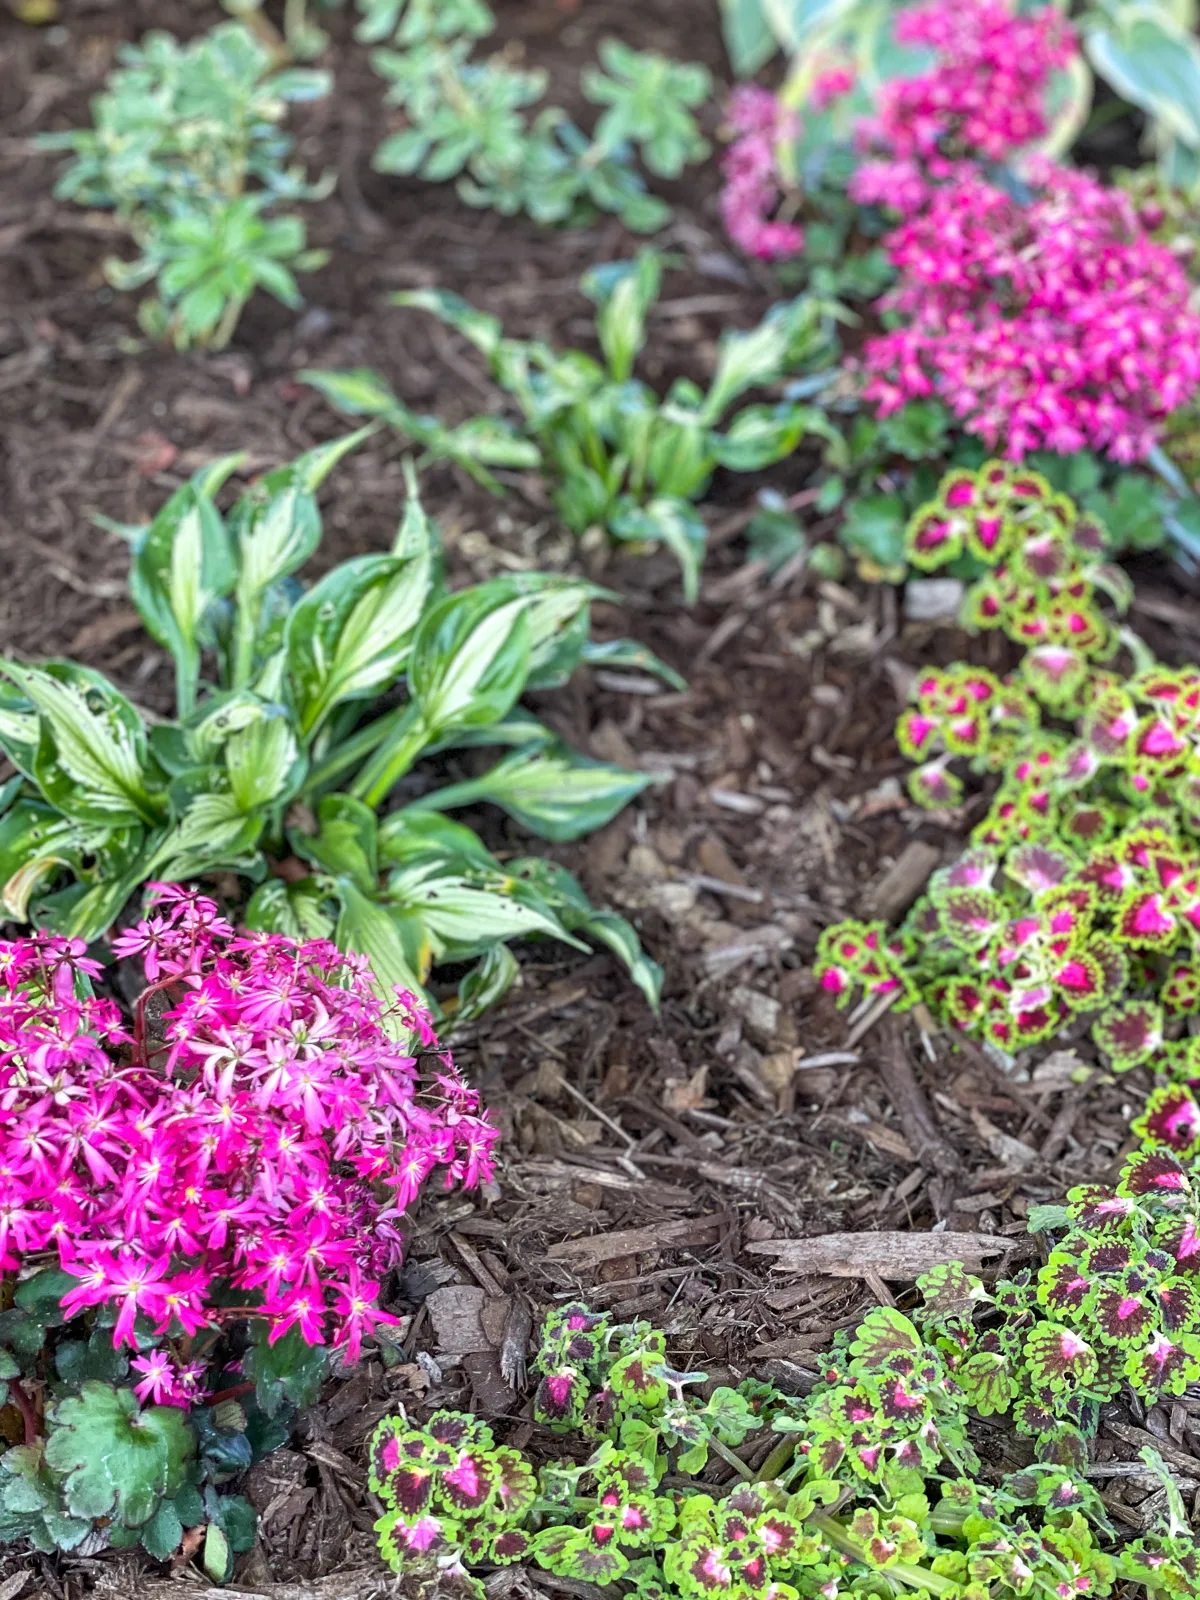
<point x="561" y="1396"/>
<point x="1171" y="1120"/>
<point x="1129" y="1034"/>
<point x="1164" y="1365"/>
<point x="1059" y="1360"/>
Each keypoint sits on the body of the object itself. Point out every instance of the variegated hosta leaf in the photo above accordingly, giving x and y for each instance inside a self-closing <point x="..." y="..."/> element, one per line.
<point x="182" y="563"/>
<point x="485" y="985"/>
<point x="20" y="729"/>
<point x="276" y="526"/>
<point x="299" y="910"/>
<point x="261" y="760"/>
<point x="559" y="624"/>
<point x="367" y="928"/>
<point x="91" y="761"/>
<point x="214" y="724"/>
<point x="346" y="845"/>
<point x="554" y="793"/>
<point x="353" y="631"/>
<point x="470" y="658"/>
<point x="213" y="833"/>
<point x="462" y="918"/>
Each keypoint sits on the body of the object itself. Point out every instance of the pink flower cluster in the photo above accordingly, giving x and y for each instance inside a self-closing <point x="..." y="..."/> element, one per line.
<point x="266" y="1131"/>
<point x="1055" y="325"/>
<point x="752" y="193"/>
<point x="983" y="99"/>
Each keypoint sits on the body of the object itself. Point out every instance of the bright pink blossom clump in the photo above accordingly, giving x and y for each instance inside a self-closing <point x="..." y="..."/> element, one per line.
<point x="271" y="1134"/>
<point x="752" y="191"/>
<point x="1055" y="325"/>
<point x="983" y="98"/>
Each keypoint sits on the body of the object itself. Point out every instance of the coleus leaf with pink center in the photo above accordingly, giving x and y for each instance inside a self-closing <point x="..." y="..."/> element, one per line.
<point x="1129" y="1034"/>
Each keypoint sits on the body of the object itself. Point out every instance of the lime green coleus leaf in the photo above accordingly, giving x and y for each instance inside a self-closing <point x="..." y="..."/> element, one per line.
<point x="91" y="761"/>
<point x="115" y="1459"/>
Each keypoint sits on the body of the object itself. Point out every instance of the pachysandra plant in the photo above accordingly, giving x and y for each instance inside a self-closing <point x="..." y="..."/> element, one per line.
<point x="195" y="1204"/>
<point x="872" y="1486"/>
<point x="466" y="118"/>
<point x="623" y="458"/>
<point x="324" y="699"/>
<point x="186" y="149"/>
<point x="1079" y="898"/>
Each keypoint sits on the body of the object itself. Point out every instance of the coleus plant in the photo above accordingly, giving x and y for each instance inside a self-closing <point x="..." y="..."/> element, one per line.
<point x="468" y="118"/>
<point x="623" y="458"/>
<point x="871" y="1488"/>
<point x="275" y="770"/>
<point x="193" y="1207"/>
<point x="186" y="149"/>
<point x="1079" y="897"/>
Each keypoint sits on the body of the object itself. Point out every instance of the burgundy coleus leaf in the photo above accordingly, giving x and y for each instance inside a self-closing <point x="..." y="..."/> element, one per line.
<point x="456" y="1428"/>
<point x="1088" y="536"/>
<point x="964" y="1002"/>
<point x="933" y="787"/>
<point x="753" y="1575"/>
<point x="897" y="1400"/>
<point x="1063" y="1286"/>
<point x="516" y="1483"/>
<point x="601" y="1409"/>
<point x="959" y="490"/>
<point x="1109" y="876"/>
<point x="826" y="1456"/>
<point x="627" y="1474"/>
<point x="1058" y="1358"/>
<point x="1171" y="1120"/>
<point x="1114" y="965"/>
<point x="970" y="916"/>
<point x="598" y="1563"/>
<point x="1110" y="725"/>
<point x="509" y="1545"/>
<point x="1055" y="671"/>
<point x="746" y="1502"/>
<point x="933" y="538"/>
<point x="631" y="1515"/>
<point x="706" y="1564"/>
<point x="1178" y="1305"/>
<point x="1038" y="868"/>
<point x="917" y="734"/>
<point x="1121" y="1315"/>
<point x="779" y="1535"/>
<point x="1098" y="1209"/>
<point x="1078" y="765"/>
<point x="1044" y="555"/>
<point x="470" y="1483"/>
<point x="1129" y="1034"/>
<point x="1181" y="1236"/>
<point x="417" y="1534"/>
<point x="394" y="1447"/>
<point x="974" y="869"/>
<point x="1088" y="825"/>
<point x="1108" y="1258"/>
<point x="560" y="1395"/>
<point x="988" y="535"/>
<point x="1180" y="990"/>
<point x="475" y="1543"/>
<point x="734" y="1526"/>
<point x="1156" y="1172"/>
<point x="1163" y="1365"/>
<point x="1157" y="740"/>
<point x="1080" y="981"/>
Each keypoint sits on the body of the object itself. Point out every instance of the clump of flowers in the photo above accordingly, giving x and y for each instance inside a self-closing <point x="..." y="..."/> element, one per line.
<point x="843" y="1502"/>
<point x="752" y="190"/>
<point x="266" y="1132"/>
<point x="983" y="98"/>
<point x="1056" y="324"/>
<point x="1079" y="899"/>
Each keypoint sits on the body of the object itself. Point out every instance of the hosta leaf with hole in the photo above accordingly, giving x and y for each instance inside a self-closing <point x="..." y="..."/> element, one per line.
<point x="92" y="762"/>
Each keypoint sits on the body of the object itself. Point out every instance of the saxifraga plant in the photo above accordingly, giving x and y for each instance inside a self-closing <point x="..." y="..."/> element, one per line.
<point x="186" y="149"/>
<point x="323" y="700"/>
<point x="193" y="1205"/>
<point x="873" y="1488"/>
<point x="1080" y="895"/>
<point x="623" y="458"/>
<point x="467" y="119"/>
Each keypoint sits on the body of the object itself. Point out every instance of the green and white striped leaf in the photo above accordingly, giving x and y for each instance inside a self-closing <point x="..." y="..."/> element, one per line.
<point x="213" y="834"/>
<point x="624" y="291"/>
<point x="276" y="527"/>
<point x="20" y="729"/>
<point x="410" y="838"/>
<point x="263" y="762"/>
<point x="557" y="889"/>
<point x="484" y="986"/>
<point x="1150" y="60"/>
<point x="368" y="928"/>
<point x="347" y="843"/>
<point x="470" y="658"/>
<point x="91" y="759"/>
<point x="352" y="632"/>
<point x="298" y="910"/>
<point x="554" y="793"/>
<point x="637" y="657"/>
<point x="484" y="331"/>
<point x="672" y="522"/>
<point x="462" y="919"/>
<point x="182" y="563"/>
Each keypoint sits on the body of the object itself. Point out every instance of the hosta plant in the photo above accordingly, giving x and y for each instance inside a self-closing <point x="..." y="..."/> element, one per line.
<point x="196" y="1205"/>
<point x="322" y="701"/>
<point x="623" y="458"/>
<point x="186" y="149"/>
<point x="870" y="1488"/>
<point x="1078" y="902"/>
<point x="472" y="119"/>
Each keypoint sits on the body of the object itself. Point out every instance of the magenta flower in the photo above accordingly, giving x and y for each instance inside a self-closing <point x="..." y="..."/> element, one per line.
<point x="273" y="1144"/>
<point x="752" y="191"/>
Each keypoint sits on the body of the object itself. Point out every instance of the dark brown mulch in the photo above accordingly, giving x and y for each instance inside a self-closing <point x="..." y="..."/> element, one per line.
<point x="643" y="1157"/>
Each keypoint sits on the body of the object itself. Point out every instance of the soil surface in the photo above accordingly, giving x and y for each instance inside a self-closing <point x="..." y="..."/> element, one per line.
<point x="646" y="1158"/>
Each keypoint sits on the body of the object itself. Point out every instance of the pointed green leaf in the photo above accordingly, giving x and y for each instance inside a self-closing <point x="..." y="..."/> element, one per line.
<point x="672" y="522"/>
<point x="295" y="909"/>
<point x="470" y="657"/>
<point x="263" y="762"/>
<point x="366" y="926"/>
<point x="347" y="844"/>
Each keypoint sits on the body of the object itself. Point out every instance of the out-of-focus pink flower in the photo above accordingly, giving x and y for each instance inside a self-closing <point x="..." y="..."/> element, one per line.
<point x="752" y="191"/>
<point x="1053" y="325"/>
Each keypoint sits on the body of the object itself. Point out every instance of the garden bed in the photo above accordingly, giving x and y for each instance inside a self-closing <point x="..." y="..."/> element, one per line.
<point x="643" y="1157"/>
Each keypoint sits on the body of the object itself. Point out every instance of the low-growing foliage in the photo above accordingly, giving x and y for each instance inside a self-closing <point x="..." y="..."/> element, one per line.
<point x="1080" y="894"/>
<point x="250" y="770"/>
<point x="187" y="150"/>
<point x="472" y="119"/>
<point x="193" y="1207"/>
<point x="872" y="1488"/>
<point x="624" y="459"/>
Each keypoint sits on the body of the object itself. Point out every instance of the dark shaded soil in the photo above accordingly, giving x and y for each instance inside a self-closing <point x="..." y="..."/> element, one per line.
<point x="718" y="1124"/>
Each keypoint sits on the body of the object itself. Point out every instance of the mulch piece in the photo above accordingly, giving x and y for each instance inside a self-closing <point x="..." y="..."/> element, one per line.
<point x="654" y="1166"/>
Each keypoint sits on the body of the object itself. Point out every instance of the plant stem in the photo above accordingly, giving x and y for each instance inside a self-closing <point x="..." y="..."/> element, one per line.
<point x="736" y="1462"/>
<point x="778" y="1459"/>
<point x="384" y="771"/>
<point x="915" y="1577"/>
<point x="356" y="748"/>
<point x="25" y="1406"/>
